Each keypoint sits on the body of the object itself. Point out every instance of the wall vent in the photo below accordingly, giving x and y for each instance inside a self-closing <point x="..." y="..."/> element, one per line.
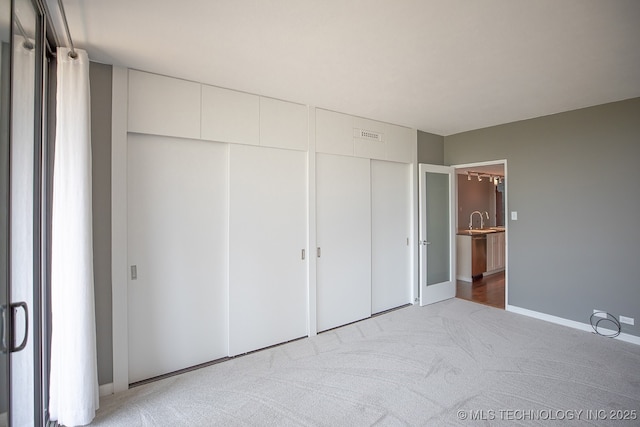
<point x="368" y="135"/>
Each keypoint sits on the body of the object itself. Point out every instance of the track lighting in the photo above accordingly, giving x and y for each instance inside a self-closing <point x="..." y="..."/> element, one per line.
<point x="495" y="179"/>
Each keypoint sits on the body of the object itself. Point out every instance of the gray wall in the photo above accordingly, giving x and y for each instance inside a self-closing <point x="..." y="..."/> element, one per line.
<point x="430" y="148"/>
<point x="573" y="179"/>
<point x="100" y="78"/>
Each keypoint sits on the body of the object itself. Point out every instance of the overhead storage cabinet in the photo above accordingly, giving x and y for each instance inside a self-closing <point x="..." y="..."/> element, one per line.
<point x="283" y="124"/>
<point x="230" y="116"/>
<point x="334" y="133"/>
<point x="368" y="138"/>
<point x="160" y="105"/>
<point x="401" y="143"/>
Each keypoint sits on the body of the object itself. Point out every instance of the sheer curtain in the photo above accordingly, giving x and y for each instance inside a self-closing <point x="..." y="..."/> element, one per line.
<point x="74" y="376"/>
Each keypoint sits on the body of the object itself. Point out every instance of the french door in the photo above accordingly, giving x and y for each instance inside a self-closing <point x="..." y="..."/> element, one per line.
<point x="437" y="233"/>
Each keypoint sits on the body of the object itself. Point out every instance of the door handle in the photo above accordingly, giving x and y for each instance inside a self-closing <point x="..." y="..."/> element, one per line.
<point x="14" y="309"/>
<point x="424" y="242"/>
<point x="4" y="348"/>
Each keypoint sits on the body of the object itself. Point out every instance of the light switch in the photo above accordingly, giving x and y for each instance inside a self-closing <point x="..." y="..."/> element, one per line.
<point x="514" y="215"/>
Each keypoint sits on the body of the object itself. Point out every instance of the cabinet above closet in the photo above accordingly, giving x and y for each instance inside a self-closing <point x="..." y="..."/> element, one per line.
<point x="167" y="106"/>
<point x="160" y="105"/>
<point x="346" y="135"/>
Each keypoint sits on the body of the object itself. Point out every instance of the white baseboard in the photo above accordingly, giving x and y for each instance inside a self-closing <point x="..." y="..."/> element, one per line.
<point x="106" y="389"/>
<point x="570" y="323"/>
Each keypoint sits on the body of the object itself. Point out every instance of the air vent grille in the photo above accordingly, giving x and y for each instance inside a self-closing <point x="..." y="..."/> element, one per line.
<point x="367" y="134"/>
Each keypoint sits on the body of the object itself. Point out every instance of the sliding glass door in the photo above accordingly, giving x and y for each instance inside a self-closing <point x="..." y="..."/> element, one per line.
<point x="5" y="79"/>
<point x="21" y="213"/>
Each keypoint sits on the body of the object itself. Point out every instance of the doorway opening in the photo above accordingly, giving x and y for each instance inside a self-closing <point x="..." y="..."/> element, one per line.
<point x="481" y="232"/>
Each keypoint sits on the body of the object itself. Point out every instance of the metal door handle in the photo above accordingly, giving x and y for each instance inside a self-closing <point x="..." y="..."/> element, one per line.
<point x="4" y="348"/>
<point x="14" y="309"/>
<point x="424" y="242"/>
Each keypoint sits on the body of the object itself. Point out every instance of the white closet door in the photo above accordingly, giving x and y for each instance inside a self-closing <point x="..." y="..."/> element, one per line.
<point x="267" y="232"/>
<point x="177" y="241"/>
<point x="344" y="238"/>
<point x="390" y="225"/>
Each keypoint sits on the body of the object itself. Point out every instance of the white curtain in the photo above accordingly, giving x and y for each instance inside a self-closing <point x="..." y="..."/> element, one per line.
<point x="74" y="375"/>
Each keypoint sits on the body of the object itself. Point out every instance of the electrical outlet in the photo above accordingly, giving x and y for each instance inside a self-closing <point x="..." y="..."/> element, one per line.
<point x="627" y="320"/>
<point x="600" y="313"/>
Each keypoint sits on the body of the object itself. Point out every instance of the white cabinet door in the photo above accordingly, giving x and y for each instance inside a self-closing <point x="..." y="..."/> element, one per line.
<point x="501" y="250"/>
<point x="177" y="241"/>
<point x="267" y="233"/>
<point x="390" y="232"/>
<point x="283" y="124"/>
<point x="230" y="116"/>
<point x="491" y="252"/>
<point x="343" y="195"/>
<point x="401" y="143"/>
<point x="369" y="148"/>
<point x="495" y="252"/>
<point x="334" y="133"/>
<point x="162" y="105"/>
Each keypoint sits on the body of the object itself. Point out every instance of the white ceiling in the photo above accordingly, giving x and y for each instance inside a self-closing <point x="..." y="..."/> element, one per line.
<point x="441" y="66"/>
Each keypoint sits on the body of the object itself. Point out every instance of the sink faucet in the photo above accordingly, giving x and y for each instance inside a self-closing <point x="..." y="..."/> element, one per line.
<point x="481" y="219"/>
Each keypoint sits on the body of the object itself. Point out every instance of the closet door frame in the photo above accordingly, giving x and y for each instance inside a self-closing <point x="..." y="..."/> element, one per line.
<point x="119" y="228"/>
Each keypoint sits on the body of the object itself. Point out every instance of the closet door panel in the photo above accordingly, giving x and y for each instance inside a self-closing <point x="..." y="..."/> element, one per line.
<point x="391" y="228"/>
<point x="177" y="241"/>
<point x="268" y="220"/>
<point x="344" y="237"/>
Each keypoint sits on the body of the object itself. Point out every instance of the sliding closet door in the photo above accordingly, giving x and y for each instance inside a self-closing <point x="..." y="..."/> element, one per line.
<point x="390" y="232"/>
<point x="343" y="194"/>
<point x="177" y="228"/>
<point x="267" y="236"/>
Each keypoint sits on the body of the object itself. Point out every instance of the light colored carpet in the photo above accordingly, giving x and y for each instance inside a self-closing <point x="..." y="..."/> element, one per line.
<point x="451" y="363"/>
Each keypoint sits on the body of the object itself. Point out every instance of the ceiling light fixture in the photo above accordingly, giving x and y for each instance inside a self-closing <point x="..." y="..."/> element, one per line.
<point x="490" y="177"/>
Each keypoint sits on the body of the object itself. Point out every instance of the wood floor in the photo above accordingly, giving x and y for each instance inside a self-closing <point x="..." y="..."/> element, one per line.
<point x="488" y="290"/>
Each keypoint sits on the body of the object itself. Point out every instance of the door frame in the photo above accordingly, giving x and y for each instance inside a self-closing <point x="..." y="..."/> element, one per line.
<point x="502" y="162"/>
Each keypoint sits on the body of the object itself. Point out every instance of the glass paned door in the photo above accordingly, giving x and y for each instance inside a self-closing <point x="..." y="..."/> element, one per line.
<point x="437" y="233"/>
